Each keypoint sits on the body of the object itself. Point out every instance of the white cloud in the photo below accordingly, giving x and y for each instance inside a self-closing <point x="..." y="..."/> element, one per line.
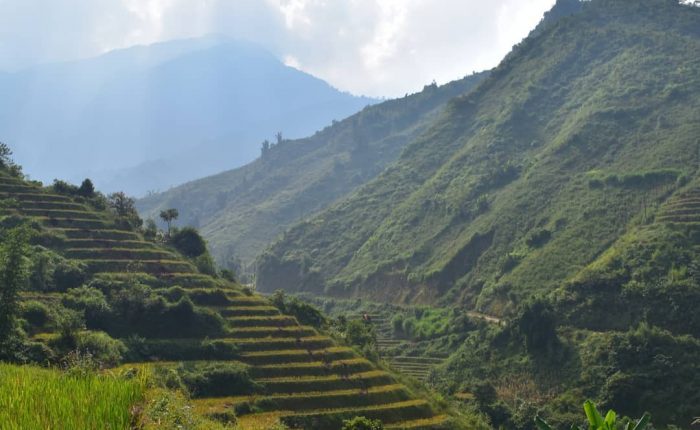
<point x="374" y="47"/>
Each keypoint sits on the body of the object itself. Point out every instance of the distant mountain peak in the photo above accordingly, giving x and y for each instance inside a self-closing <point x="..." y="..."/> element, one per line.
<point x="115" y="116"/>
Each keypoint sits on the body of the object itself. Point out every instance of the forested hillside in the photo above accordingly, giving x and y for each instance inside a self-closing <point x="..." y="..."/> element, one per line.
<point x="552" y="215"/>
<point x="575" y="141"/>
<point x="241" y="211"/>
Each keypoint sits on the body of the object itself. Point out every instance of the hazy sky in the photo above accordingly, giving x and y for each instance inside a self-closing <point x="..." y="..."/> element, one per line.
<point x="372" y="47"/>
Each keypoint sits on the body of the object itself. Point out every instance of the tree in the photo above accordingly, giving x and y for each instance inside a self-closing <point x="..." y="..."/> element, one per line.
<point x="279" y="138"/>
<point x="87" y="189"/>
<point x="13" y="276"/>
<point x="169" y="215"/>
<point x="189" y="242"/>
<point x="5" y="154"/>
<point x="265" y="148"/>
<point x="125" y="207"/>
<point x="122" y="204"/>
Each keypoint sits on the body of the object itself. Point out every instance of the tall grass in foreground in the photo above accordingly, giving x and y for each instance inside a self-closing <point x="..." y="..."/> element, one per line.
<point x="34" y="398"/>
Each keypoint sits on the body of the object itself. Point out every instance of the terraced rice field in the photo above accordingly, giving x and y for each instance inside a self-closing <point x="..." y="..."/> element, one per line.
<point x="388" y="345"/>
<point x="305" y="375"/>
<point x="683" y="209"/>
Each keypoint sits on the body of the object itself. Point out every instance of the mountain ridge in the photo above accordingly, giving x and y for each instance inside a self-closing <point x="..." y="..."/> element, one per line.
<point x="440" y="224"/>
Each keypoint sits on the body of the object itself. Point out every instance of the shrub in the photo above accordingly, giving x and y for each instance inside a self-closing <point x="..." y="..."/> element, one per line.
<point x="306" y="313"/>
<point x="360" y="334"/>
<point x="36" y="313"/>
<point x="101" y="346"/>
<point x="205" y="264"/>
<point x="38" y="352"/>
<point x="91" y="302"/>
<point x="68" y="322"/>
<point x="189" y="242"/>
<point x="362" y="423"/>
<point x="69" y="274"/>
<point x="217" y="379"/>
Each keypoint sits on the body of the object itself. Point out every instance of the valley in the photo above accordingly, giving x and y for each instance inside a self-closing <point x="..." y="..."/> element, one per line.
<point x="494" y="252"/>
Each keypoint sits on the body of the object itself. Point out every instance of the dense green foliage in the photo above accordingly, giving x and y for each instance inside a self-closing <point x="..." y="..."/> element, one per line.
<point x="13" y="277"/>
<point x="241" y="211"/>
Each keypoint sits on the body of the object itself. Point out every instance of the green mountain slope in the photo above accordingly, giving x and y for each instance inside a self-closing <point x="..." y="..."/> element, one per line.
<point x="241" y="211"/>
<point x="98" y="286"/>
<point x="578" y="136"/>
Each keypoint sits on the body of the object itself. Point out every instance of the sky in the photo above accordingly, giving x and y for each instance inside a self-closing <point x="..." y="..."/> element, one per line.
<point x="380" y="48"/>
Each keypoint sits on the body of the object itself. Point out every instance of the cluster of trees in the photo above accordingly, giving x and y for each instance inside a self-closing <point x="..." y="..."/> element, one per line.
<point x="267" y="145"/>
<point x="86" y="188"/>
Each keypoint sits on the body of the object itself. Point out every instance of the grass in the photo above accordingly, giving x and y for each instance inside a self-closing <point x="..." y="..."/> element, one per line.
<point x="34" y="398"/>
